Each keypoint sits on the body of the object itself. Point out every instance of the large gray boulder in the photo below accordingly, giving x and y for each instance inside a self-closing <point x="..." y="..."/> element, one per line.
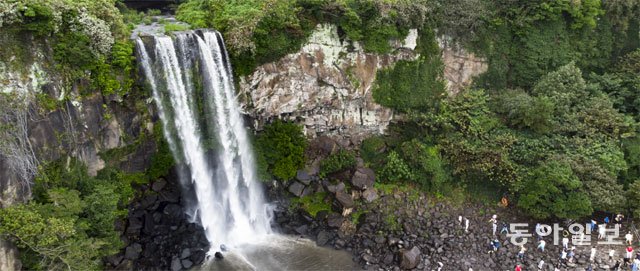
<point x="296" y="188"/>
<point x="370" y="194"/>
<point x="345" y="199"/>
<point x="410" y="258"/>
<point x="363" y="178"/>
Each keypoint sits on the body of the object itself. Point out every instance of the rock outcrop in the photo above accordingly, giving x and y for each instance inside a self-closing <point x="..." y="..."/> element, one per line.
<point x="327" y="85"/>
<point x="460" y="66"/>
<point x="59" y="121"/>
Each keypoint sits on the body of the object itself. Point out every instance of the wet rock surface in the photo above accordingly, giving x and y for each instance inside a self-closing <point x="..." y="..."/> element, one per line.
<point x="157" y="234"/>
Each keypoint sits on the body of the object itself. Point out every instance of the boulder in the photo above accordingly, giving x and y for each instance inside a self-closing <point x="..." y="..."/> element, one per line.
<point x="303" y="176"/>
<point x="132" y="252"/>
<point x="409" y="259"/>
<point x="186" y="263"/>
<point x="336" y="188"/>
<point x="363" y="178"/>
<point x="158" y="185"/>
<point x="370" y="194"/>
<point x="334" y="220"/>
<point x="326" y="145"/>
<point x="173" y="211"/>
<point x="296" y="188"/>
<point x="345" y="199"/>
<point x="323" y="238"/>
<point x="185" y="253"/>
<point x="176" y="265"/>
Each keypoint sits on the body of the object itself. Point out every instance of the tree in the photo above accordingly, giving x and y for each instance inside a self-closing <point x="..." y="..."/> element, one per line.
<point x="633" y="198"/>
<point x="282" y="145"/>
<point x="553" y="190"/>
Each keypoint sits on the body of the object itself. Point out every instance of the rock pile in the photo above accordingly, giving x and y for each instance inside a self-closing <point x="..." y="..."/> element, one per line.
<point x="158" y="234"/>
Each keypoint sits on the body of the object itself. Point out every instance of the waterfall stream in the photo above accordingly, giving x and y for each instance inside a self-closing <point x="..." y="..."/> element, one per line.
<point x="193" y="89"/>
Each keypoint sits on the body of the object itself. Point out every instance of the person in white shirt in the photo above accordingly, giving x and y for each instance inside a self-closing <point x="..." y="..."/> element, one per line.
<point x="593" y="254"/>
<point x="565" y="243"/>
<point x="611" y="253"/>
<point x="541" y="245"/>
<point x="629" y="238"/>
<point x="541" y="264"/>
<point x="601" y="231"/>
<point x="466" y="225"/>
<point x="494" y="223"/>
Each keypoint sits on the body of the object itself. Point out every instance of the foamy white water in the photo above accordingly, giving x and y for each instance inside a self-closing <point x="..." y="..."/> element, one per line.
<point x="193" y="89"/>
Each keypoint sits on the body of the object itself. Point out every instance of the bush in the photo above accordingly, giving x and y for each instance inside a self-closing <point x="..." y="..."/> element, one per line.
<point x="396" y="169"/>
<point x="372" y="151"/>
<point x="553" y="190"/>
<point x="168" y="28"/>
<point x="413" y="85"/>
<point x="162" y="161"/>
<point x="282" y="146"/>
<point x="313" y="204"/>
<point x="70" y="223"/>
<point x="427" y="165"/>
<point x="342" y="160"/>
<point x="257" y="32"/>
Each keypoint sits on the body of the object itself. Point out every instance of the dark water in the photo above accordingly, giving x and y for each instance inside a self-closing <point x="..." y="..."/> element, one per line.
<point x="283" y="253"/>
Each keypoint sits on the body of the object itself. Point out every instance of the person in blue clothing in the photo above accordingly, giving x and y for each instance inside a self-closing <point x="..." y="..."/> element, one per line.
<point x="606" y="220"/>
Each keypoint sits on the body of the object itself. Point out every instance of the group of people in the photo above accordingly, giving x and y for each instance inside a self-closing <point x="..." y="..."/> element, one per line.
<point x="567" y="255"/>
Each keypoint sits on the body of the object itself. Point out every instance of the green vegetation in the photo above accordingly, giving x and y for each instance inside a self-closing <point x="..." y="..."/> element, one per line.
<point x="313" y="204"/>
<point x="258" y="32"/>
<point x="162" y="161"/>
<point x="88" y="38"/>
<point x="413" y="85"/>
<point x="342" y="160"/>
<point x="372" y="151"/>
<point x="175" y="27"/>
<point x="69" y="224"/>
<point x="281" y="147"/>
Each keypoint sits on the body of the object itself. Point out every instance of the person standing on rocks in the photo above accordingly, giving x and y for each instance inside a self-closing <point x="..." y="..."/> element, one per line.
<point x="565" y="242"/>
<point x="541" y="245"/>
<point x="505" y="228"/>
<point x="619" y="218"/>
<point x="629" y="252"/>
<point x="593" y="225"/>
<point x="606" y="220"/>
<point x="521" y="253"/>
<point x="602" y="231"/>
<point x="541" y="265"/>
<point x="563" y="257"/>
<point x="466" y="224"/>
<point x="611" y="253"/>
<point x="494" y="224"/>
<point x="628" y="237"/>
<point x="537" y="230"/>
<point x="518" y="268"/>
<point x="572" y="254"/>
<point x="593" y="254"/>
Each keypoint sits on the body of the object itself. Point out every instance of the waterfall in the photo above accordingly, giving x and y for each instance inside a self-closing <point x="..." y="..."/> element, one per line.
<point x="192" y="84"/>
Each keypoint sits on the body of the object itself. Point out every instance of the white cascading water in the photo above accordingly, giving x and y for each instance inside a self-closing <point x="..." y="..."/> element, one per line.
<point x="193" y="89"/>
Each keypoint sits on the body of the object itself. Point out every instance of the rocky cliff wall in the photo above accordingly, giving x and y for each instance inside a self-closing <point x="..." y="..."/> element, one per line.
<point x="71" y="125"/>
<point x="327" y="85"/>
